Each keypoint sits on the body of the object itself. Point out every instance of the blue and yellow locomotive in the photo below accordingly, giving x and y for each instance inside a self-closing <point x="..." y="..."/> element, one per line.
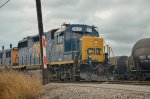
<point x="8" y="57"/>
<point x="74" y="51"/>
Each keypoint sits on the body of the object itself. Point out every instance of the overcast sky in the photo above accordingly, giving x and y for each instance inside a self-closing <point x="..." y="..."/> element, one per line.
<point x="121" y="22"/>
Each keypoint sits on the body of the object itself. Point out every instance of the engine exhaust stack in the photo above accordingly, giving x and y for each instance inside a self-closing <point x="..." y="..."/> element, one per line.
<point x="10" y="46"/>
<point x="2" y="47"/>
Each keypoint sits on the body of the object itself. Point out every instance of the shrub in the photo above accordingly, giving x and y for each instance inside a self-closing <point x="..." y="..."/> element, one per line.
<point x="17" y="85"/>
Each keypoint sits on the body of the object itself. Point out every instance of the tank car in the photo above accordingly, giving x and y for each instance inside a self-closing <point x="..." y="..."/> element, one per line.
<point x="141" y="59"/>
<point x="122" y="64"/>
<point x="121" y="67"/>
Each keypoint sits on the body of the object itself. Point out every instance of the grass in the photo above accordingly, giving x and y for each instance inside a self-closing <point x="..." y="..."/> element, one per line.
<point x="17" y="85"/>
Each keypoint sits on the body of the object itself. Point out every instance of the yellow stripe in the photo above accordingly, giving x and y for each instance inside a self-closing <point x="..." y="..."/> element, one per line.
<point x="28" y="65"/>
<point x="59" y="63"/>
<point x="17" y="67"/>
<point x="50" y="63"/>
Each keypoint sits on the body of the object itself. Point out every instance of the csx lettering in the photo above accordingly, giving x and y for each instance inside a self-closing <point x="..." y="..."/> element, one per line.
<point x="142" y="57"/>
<point x="95" y="51"/>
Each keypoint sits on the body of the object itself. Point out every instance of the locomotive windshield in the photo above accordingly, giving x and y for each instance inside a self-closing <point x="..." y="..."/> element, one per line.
<point x="1" y="55"/>
<point x="141" y="51"/>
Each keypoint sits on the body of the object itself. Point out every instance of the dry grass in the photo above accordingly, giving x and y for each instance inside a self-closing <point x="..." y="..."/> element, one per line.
<point x="16" y="85"/>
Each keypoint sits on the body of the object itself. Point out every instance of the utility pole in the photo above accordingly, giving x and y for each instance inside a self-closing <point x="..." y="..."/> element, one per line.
<point x="42" y="40"/>
<point x="2" y="56"/>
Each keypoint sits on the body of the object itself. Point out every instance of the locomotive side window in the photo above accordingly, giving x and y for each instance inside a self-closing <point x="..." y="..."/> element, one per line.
<point x="59" y="38"/>
<point x="75" y="41"/>
<point x="8" y="54"/>
<point x="1" y="55"/>
<point x="67" y="41"/>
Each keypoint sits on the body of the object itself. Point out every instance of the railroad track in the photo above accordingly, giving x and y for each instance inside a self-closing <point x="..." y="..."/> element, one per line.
<point x="106" y="82"/>
<point x="126" y="82"/>
<point x="129" y="82"/>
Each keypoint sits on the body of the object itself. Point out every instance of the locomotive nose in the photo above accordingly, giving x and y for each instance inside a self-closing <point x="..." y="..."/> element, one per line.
<point x="92" y="48"/>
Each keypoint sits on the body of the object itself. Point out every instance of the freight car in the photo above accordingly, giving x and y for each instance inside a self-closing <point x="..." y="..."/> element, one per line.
<point x="121" y="67"/>
<point x="140" y="69"/>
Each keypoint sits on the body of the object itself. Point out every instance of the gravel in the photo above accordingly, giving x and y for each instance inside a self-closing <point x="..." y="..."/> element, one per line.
<point x="95" y="91"/>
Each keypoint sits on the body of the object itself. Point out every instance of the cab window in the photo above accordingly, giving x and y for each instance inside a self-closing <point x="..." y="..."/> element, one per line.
<point x="8" y="54"/>
<point x="1" y="55"/>
<point x="59" y="38"/>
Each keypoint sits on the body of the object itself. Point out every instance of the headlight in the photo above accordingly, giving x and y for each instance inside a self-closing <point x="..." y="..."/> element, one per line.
<point x="89" y="56"/>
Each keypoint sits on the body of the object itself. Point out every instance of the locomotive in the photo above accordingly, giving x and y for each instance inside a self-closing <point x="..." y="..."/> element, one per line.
<point x="8" y="57"/>
<point x="74" y="52"/>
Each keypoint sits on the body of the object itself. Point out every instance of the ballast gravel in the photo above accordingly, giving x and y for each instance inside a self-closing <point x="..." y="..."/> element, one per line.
<point x="95" y="91"/>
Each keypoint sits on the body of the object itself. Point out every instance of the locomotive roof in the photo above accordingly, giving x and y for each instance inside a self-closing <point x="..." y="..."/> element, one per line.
<point x="10" y="49"/>
<point x="55" y="31"/>
<point x="51" y="31"/>
<point x="60" y="30"/>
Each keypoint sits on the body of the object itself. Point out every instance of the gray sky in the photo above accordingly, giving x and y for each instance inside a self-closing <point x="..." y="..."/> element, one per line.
<point x="121" y="22"/>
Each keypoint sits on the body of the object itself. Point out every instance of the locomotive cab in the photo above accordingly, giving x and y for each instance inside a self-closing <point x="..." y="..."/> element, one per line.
<point x="9" y="58"/>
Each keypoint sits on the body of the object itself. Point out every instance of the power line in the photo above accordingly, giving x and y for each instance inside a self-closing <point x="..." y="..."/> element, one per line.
<point x="4" y="3"/>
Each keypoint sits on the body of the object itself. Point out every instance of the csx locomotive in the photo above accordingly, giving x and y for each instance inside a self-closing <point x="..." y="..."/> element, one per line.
<point x="74" y="52"/>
